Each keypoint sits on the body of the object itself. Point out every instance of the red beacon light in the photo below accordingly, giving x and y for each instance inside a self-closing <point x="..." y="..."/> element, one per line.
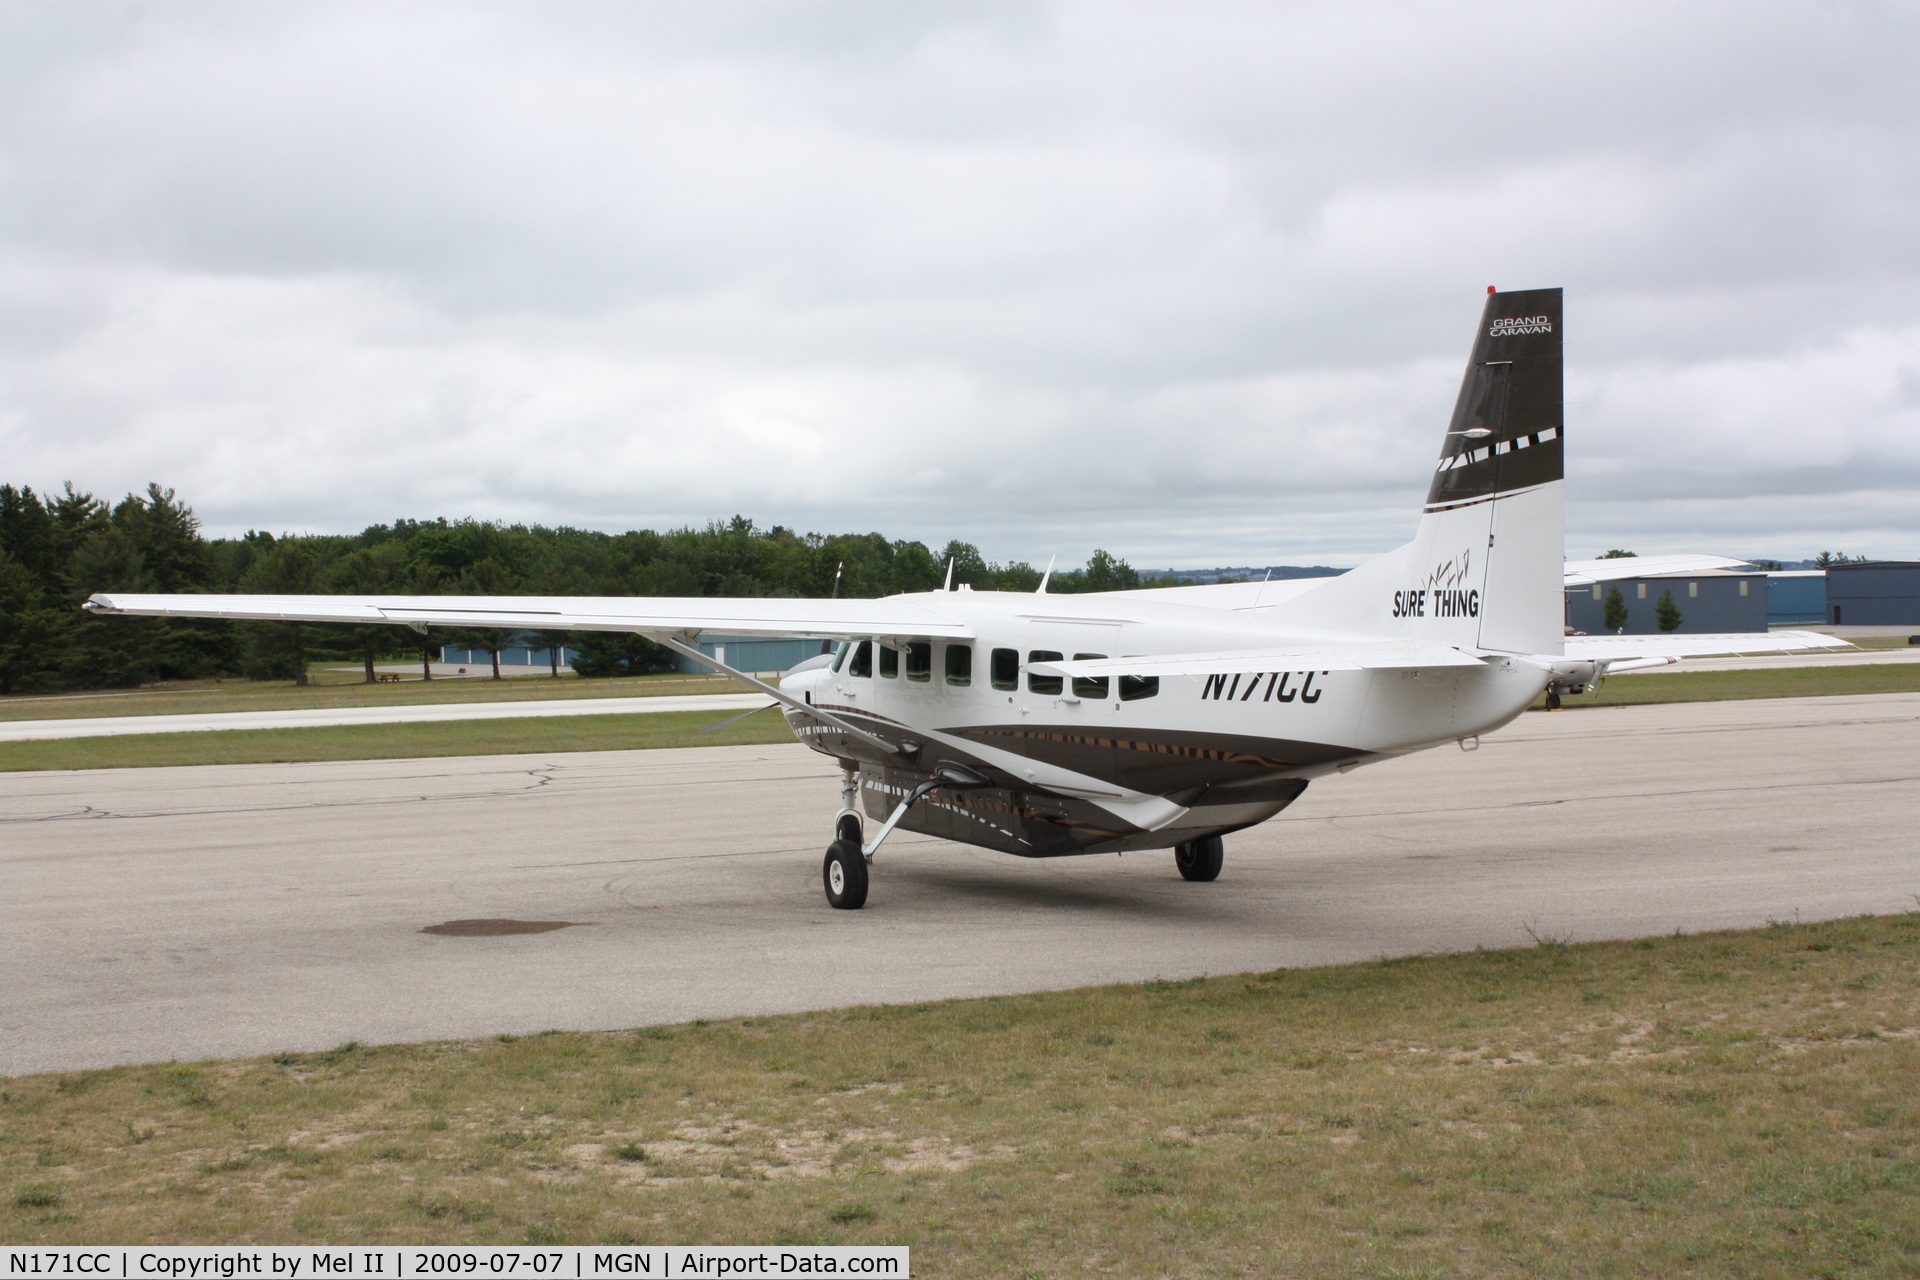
<point x="1489" y="288"/>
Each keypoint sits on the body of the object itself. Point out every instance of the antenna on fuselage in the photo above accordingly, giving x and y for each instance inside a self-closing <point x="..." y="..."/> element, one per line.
<point x="949" y="585"/>
<point x="1262" y="591"/>
<point x="1042" y="588"/>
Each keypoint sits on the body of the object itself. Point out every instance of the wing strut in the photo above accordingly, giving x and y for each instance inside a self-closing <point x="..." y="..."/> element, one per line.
<point x="951" y="777"/>
<point x="804" y="708"/>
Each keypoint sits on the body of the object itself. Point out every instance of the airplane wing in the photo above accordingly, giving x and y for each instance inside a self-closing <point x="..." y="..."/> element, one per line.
<point x="1617" y="648"/>
<point x="665" y="615"/>
<point x="1296" y="657"/>
<point x="1584" y="573"/>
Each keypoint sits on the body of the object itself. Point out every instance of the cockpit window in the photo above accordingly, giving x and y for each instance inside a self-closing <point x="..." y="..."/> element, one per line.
<point x="840" y="648"/>
<point x="862" y="664"/>
<point x="889" y="663"/>
<point x="1049" y="686"/>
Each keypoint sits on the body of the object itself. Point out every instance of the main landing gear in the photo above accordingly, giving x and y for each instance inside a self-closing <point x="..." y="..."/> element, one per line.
<point x="1200" y="859"/>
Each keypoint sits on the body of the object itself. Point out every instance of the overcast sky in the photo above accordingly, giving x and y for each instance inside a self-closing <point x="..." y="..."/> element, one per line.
<point x="1190" y="282"/>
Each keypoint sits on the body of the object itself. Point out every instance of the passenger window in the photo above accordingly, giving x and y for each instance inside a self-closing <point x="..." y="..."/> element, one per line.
<point x="1049" y="685"/>
<point x="1134" y="688"/>
<point x="920" y="661"/>
<point x="889" y="663"/>
<point x="1085" y="687"/>
<point x="840" y="648"/>
<point x="1005" y="669"/>
<point x="960" y="664"/>
<point x="862" y="664"/>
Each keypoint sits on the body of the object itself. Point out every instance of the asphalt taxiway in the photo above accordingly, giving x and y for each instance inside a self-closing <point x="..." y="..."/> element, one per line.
<point x="185" y="912"/>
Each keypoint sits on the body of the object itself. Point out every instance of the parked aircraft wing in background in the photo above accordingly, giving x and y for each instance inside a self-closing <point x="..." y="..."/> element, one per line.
<point x="1615" y="648"/>
<point x="1584" y="573"/>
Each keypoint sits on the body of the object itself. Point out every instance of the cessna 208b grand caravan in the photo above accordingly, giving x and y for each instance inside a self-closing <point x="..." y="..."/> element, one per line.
<point x="1045" y="725"/>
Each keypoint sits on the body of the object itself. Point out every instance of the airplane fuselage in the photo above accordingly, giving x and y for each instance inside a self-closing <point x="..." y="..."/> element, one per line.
<point x="1086" y="766"/>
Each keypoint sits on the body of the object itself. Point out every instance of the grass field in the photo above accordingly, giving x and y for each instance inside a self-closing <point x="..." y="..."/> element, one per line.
<point x="396" y="741"/>
<point x="1736" y="1104"/>
<point x="334" y="689"/>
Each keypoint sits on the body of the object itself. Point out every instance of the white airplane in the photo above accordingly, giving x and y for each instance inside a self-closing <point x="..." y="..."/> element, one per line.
<point x="1046" y="725"/>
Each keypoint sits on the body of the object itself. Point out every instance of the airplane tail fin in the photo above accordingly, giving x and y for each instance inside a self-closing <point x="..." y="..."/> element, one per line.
<point x="1484" y="568"/>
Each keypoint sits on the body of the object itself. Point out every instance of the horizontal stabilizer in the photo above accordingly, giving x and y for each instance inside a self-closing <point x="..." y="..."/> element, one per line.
<point x="818" y="619"/>
<point x="1296" y="657"/>
<point x="1615" y="648"/>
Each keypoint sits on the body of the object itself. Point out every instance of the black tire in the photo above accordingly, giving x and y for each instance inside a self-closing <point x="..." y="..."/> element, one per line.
<point x="848" y="828"/>
<point x="1200" y="859"/>
<point x="844" y="875"/>
<point x="1553" y="701"/>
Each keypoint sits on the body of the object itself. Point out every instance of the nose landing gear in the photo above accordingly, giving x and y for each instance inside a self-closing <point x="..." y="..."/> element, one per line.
<point x="845" y="875"/>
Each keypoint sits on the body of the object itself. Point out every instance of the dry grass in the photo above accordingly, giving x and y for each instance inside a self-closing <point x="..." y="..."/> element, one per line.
<point x="1738" y="1104"/>
<point x="396" y="741"/>
<point x="334" y="689"/>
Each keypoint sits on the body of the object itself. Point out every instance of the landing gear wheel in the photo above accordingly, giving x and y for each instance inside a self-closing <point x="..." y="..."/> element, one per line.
<point x="1553" y="701"/>
<point x="1200" y="859"/>
<point x="848" y="828"/>
<point x="845" y="875"/>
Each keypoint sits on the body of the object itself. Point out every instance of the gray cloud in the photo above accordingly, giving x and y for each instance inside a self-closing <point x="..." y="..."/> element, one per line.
<point x="1191" y="284"/>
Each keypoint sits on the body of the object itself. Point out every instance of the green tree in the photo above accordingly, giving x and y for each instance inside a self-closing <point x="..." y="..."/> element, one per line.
<point x="27" y="534"/>
<point x="280" y="650"/>
<point x="30" y="632"/>
<point x="363" y="573"/>
<point x="487" y="640"/>
<point x="1615" y="618"/>
<point x="1617" y="554"/>
<point x="110" y="653"/>
<point x="968" y="565"/>
<point x="554" y="642"/>
<point x="619" y="653"/>
<point x="1666" y="613"/>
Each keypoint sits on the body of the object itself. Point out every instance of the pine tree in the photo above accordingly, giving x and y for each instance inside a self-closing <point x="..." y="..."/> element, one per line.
<point x="619" y="653"/>
<point x="1666" y="613"/>
<point x="30" y="632"/>
<point x="1615" y="618"/>
<point x="280" y="650"/>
